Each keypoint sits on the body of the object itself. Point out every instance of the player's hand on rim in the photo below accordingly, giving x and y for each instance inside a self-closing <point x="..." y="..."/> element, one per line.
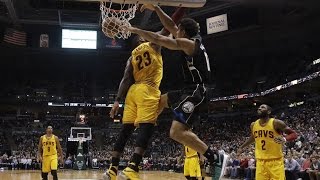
<point x="280" y="140"/>
<point x="114" y="109"/>
<point x="151" y="7"/>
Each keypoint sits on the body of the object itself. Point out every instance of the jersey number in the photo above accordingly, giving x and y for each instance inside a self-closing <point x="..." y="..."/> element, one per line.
<point x="143" y="61"/>
<point x="263" y="142"/>
<point x="48" y="149"/>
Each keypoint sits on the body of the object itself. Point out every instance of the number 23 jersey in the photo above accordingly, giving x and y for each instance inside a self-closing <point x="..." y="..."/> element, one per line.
<point x="147" y="65"/>
<point x="265" y="146"/>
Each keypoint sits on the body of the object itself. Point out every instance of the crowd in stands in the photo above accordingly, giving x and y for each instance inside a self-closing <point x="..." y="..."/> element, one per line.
<point x="224" y="134"/>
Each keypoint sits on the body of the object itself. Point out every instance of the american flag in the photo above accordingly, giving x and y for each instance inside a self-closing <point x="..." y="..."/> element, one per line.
<point x="15" y="37"/>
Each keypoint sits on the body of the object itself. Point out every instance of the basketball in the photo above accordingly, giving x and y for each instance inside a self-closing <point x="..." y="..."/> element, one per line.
<point x="110" y="27"/>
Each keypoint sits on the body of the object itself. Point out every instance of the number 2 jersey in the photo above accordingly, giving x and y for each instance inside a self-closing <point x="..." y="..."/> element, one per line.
<point x="265" y="146"/>
<point x="147" y="65"/>
<point x="49" y="146"/>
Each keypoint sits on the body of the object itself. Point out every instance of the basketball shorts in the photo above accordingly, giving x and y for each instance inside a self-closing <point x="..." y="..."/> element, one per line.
<point x="49" y="163"/>
<point x="185" y="103"/>
<point x="192" y="167"/>
<point x="270" y="169"/>
<point x="141" y="104"/>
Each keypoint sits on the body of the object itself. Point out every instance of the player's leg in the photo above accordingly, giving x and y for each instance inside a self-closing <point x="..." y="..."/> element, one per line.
<point x="54" y="167"/>
<point x="195" y="171"/>
<point x="186" y="168"/>
<point x="276" y="169"/>
<point x="45" y="169"/>
<point x="129" y="116"/>
<point x="147" y="100"/>
<point x="261" y="170"/>
<point x="184" y="105"/>
<point x="44" y="176"/>
<point x="144" y="134"/>
<point x="163" y="103"/>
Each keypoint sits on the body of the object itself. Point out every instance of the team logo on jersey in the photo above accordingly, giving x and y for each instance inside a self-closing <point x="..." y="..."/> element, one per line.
<point x="188" y="107"/>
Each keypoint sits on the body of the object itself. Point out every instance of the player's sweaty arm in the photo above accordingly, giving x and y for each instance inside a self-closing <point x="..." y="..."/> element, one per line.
<point x="176" y="17"/>
<point x="166" y="21"/>
<point x="40" y="149"/>
<point x="183" y="44"/>
<point x="248" y="141"/>
<point x="59" y="147"/>
<point x="280" y="126"/>
<point x="126" y="81"/>
<point x="169" y="23"/>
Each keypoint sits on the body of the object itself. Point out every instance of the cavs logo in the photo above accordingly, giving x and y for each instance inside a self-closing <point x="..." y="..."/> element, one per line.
<point x="188" y="107"/>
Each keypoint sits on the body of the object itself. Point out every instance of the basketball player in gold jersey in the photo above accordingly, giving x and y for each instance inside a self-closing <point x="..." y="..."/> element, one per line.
<point x="185" y="103"/>
<point x="192" y="164"/>
<point x="266" y="132"/>
<point x="48" y="150"/>
<point x="140" y="87"/>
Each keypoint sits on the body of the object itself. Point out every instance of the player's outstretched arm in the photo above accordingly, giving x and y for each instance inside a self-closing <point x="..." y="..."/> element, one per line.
<point x="40" y="149"/>
<point x="166" y="21"/>
<point x="249" y="141"/>
<point x="126" y="81"/>
<point x="280" y="126"/>
<point x="182" y="44"/>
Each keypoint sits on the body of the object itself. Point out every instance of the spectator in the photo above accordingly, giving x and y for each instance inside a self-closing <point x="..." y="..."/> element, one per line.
<point x="314" y="168"/>
<point x="250" y="172"/>
<point x="292" y="167"/>
<point x="304" y="167"/>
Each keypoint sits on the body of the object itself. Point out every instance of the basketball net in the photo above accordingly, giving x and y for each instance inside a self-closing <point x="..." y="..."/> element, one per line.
<point x="113" y="20"/>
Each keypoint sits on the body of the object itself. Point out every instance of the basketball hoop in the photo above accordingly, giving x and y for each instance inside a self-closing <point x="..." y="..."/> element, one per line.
<point x="113" y="20"/>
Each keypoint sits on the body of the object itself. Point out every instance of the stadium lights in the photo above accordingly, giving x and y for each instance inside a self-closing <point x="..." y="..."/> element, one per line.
<point x="317" y="61"/>
<point x="268" y="91"/>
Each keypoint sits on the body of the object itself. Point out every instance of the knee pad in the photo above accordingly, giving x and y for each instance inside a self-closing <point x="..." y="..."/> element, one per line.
<point x="145" y="132"/>
<point x="44" y="176"/>
<point x="124" y="135"/>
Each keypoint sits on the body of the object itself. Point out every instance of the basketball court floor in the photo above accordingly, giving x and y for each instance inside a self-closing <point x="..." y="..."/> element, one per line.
<point x="85" y="175"/>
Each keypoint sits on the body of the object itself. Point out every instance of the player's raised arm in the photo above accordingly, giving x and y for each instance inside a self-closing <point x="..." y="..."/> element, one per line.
<point x="40" y="149"/>
<point x="249" y="141"/>
<point x="126" y="81"/>
<point x="166" y="21"/>
<point x="183" y="44"/>
<point x="280" y="126"/>
<point x="59" y="147"/>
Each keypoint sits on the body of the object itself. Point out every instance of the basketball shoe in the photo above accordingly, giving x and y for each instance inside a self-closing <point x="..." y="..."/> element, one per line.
<point x="129" y="174"/>
<point x="111" y="173"/>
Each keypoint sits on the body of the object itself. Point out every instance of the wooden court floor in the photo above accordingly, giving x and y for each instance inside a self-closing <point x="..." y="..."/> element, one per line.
<point x="84" y="175"/>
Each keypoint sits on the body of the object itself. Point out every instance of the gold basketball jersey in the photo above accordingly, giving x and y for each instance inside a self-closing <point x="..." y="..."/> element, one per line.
<point x="190" y="152"/>
<point x="147" y="65"/>
<point x="49" y="146"/>
<point x="265" y="146"/>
